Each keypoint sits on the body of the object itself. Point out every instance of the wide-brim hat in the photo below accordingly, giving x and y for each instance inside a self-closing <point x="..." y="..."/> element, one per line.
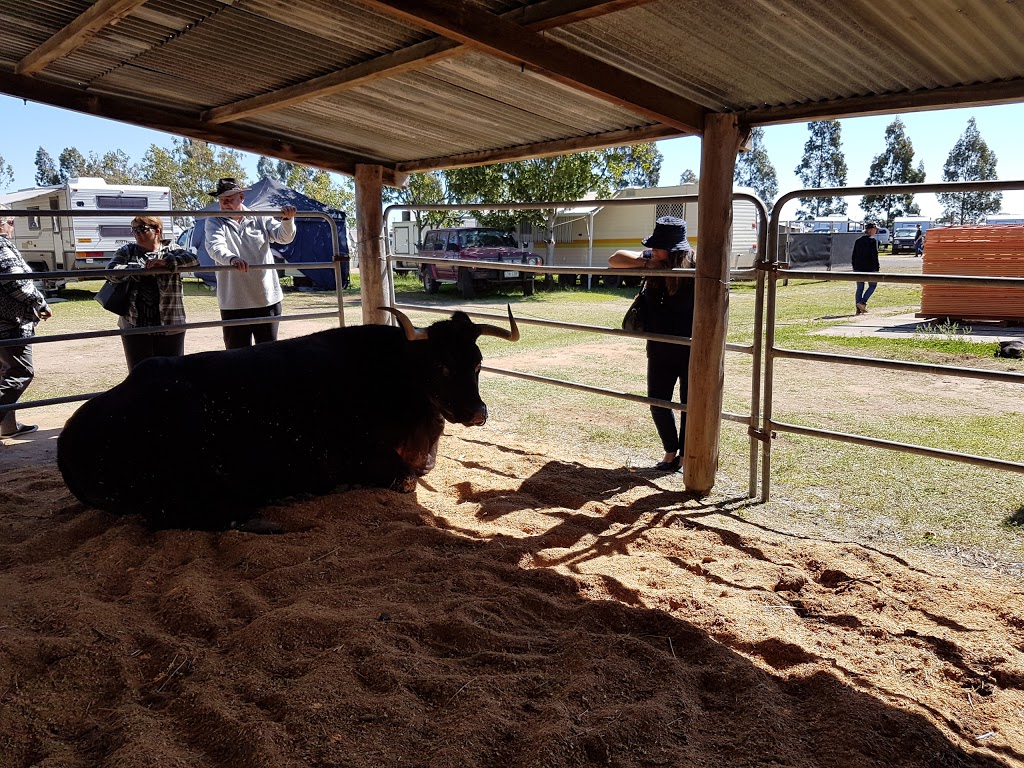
<point x="227" y="186"/>
<point x="669" y="234"/>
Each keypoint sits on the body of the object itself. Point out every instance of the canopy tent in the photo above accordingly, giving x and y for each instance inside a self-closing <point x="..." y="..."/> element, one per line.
<point x="312" y="241"/>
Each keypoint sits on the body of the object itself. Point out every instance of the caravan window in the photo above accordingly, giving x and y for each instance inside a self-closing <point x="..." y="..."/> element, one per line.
<point x="137" y="203"/>
<point x="670" y="209"/>
<point x="116" y="230"/>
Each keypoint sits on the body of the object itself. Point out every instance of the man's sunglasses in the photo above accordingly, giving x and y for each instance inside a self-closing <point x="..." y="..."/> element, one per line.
<point x="138" y="230"/>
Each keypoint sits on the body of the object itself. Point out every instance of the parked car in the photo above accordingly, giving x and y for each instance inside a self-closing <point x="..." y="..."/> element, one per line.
<point x="903" y="240"/>
<point x="481" y="243"/>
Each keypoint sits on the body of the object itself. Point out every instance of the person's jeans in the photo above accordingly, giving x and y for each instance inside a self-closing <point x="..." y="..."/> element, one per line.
<point x="16" y="374"/>
<point x="864" y="295"/>
<point x="238" y="336"/>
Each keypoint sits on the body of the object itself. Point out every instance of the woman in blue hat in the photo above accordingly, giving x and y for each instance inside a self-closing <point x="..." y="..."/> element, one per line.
<point x="669" y="310"/>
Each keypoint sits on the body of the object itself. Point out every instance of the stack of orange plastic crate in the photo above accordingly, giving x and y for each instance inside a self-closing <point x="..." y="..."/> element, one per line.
<point x="989" y="251"/>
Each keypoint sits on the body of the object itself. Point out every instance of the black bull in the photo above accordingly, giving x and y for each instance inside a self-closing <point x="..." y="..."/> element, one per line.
<point x="202" y="441"/>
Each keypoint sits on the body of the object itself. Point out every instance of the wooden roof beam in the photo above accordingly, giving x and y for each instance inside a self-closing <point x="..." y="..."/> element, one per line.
<point x="182" y="123"/>
<point x="978" y="95"/>
<point x="540" y="16"/>
<point x="545" y="148"/>
<point x="76" y="34"/>
<point x="470" y="24"/>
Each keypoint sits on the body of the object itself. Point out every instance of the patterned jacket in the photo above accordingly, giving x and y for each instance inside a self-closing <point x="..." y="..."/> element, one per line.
<point x="155" y="299"/>
<point x="20" y="300"/>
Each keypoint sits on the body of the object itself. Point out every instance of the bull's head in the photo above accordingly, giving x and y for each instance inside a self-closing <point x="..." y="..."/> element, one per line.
<point x="453" y="363"/>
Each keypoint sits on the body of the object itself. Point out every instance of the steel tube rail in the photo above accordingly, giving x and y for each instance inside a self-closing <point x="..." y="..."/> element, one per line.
<point x="56" y="337"/>
<point x="683" y="340"/>
<point x="756" y="438"/>
<point x="48" y="401"/>
<point x="745" y="274"/>
<point x="903" y="278"/>
<point x="542" y="270"/>
<point x="771" y="299"/>
<point x="772" y="265"/>
<point x="920" y="450"/>
<point x="726" y="416"/>
<point x="902" y="365"/>
<point x="101" y="274"/>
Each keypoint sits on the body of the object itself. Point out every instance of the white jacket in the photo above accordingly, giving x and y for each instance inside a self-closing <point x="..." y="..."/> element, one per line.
<point x="249" y="239"/>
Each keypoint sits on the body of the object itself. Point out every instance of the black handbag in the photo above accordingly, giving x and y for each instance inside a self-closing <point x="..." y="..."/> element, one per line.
<point x="115" y="297"/>
<point x="636" y="320"/>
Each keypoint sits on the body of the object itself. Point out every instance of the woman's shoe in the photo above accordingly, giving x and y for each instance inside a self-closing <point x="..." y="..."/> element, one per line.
<point x="668" y="466"/>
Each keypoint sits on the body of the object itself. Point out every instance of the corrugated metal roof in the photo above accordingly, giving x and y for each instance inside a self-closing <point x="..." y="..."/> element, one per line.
<point x="769" y="60"/>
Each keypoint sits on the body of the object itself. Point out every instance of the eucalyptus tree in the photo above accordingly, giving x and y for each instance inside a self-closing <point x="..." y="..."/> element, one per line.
<point x="823" y="165"/>
<point x="895" y="165"/>
<point x="754" y="169"/>
<point x="969" y="160"/>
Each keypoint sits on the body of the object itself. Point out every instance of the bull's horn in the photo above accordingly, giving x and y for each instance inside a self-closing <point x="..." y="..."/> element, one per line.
<point x="501" y="333"/>
<point x="412" y="333"/>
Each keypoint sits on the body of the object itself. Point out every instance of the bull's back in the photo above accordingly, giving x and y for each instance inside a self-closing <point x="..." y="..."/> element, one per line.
<point x="189" y="441"/>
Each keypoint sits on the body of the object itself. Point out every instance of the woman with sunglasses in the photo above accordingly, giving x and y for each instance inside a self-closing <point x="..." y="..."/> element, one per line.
<point x="154" y="300"/>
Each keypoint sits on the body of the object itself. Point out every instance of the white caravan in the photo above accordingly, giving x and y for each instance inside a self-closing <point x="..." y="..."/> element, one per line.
<point x="53" y="243"/>
<point x="586" y="236"/>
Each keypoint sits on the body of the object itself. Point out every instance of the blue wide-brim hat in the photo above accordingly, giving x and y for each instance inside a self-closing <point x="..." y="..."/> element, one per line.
<point x="669" y="234"/>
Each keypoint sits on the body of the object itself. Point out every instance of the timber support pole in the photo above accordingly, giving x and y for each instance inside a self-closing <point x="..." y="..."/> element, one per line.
<point x="721" y="141"/>
<point x="370" y="223"/>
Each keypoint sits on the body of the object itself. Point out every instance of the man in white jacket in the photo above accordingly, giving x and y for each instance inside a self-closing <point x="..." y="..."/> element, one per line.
<point x="239" y="240"/>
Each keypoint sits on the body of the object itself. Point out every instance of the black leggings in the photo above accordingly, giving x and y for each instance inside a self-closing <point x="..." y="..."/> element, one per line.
<point x="140" y="346"/>
<point x="663" y="371"/>
<point x="238" y="336"/>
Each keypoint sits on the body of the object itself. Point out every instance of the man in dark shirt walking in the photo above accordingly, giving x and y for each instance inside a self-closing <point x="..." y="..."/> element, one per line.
<point x="865" y="259"/>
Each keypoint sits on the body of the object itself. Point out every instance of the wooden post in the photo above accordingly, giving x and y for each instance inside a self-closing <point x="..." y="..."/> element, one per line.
<point x="370" y="221"/>
<point x="721" y="141"/>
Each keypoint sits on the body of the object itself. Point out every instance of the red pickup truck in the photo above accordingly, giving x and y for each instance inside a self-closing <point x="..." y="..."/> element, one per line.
<point x="481" y="243"/>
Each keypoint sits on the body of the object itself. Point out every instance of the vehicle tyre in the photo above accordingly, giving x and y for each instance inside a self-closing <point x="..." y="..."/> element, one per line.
<point x="465" y="283"/>
<point x="529" y="285"/>
<point x="430" y="284"/>
<point x="895" y="250"/>
<point x="567" y="281"/>
<point x="612" y="282"/>
<point x="549" y="282"/>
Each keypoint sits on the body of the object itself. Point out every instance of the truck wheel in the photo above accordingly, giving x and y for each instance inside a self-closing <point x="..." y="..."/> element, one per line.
<point x="430" y="284"/>
<point x="567" y="281"/>
<point x="529" y="285"/>
<point x="612" y="282"/>
<point x="465" y="283"/>
<point x="549" y="282"/>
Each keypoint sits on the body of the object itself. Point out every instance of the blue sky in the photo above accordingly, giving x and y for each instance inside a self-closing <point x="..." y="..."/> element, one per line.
<point x="30" y="125"/>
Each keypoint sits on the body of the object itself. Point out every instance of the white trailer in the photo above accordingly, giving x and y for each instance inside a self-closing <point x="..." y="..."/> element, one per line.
<point x="52" y="243"/>
<point x="586" y="236"/>
<point x="405" y="241"/>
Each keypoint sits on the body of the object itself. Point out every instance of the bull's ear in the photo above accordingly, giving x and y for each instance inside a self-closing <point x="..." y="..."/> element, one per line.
<point x="412" y="333"/>
<point x="492" y="330"/>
